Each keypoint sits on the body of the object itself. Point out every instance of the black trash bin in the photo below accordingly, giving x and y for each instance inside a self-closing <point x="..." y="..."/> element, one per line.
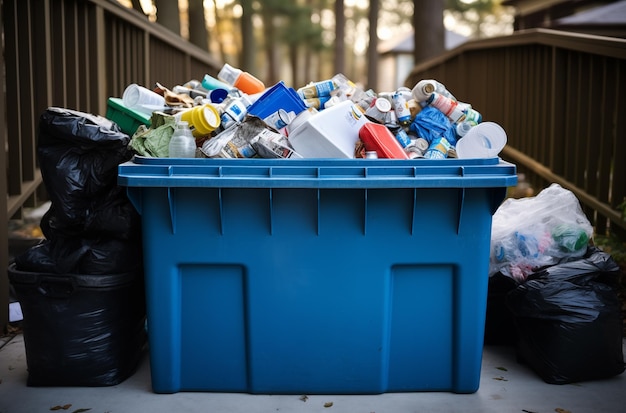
<point x="81" y="330"/>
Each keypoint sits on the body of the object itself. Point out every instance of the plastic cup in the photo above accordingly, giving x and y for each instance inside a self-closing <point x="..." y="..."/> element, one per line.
<point x="484" y="140"/>
<point x="141" y="99"/>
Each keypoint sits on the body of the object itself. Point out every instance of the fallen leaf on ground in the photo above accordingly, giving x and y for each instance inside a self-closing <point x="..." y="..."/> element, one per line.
<point x="328" y="404"/>
<point x="502" y="368"/>
<point x="559" y="410"/>
<point x="304" y="397"/>
<point x="500" y="378"/>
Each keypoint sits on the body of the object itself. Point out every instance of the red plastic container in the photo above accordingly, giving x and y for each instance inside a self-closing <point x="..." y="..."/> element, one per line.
<point x="377" y="137"/>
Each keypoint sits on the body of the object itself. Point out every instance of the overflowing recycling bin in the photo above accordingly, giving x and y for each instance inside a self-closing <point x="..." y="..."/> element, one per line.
<point x="325" y="239"/>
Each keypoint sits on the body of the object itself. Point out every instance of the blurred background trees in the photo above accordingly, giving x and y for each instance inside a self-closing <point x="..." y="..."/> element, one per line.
<point x="300" y="41"/>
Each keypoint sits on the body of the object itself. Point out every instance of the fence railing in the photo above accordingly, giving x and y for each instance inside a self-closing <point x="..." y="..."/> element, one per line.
<point x="561" y="98"/>
<point x="73" y="54"/>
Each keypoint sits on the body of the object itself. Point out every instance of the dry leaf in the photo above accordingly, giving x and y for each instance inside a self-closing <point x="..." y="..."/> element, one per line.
<point x="502" y="368"/>
<point x="559" y="410"/>
<point x="304" y="397"/>
<point x="500" y="378"/>
<point x="328" y="404"/>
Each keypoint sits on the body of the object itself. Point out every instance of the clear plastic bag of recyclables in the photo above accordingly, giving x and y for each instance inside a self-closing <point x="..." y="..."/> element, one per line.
<point x="568" y="320"/>
<point x="531" y="233"/>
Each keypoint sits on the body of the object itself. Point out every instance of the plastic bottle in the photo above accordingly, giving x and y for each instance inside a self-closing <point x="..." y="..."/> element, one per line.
<point x="424" y="88"/>
<point x="234" y="111"/>
<point x="182" y="144"/>
<point x="243" y="81"/>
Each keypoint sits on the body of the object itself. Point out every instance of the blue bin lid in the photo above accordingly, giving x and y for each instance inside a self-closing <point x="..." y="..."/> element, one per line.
<point x="316" y="173"/>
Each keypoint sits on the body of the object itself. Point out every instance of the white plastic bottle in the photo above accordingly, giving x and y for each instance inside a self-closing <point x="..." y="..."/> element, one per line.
<point x="182" y="143"/>
<point x="424" y="88"/>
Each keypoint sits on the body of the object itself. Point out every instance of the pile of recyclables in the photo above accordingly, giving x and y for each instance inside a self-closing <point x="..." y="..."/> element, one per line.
<point x="236" y="116"/>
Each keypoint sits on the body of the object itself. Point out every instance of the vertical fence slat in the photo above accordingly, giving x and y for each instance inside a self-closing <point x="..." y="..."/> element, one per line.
<point x="4" y="241"/>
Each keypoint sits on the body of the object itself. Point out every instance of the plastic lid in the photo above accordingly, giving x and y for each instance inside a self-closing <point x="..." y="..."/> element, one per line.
<point x="383" y="104"/>
<point x="484" y="140"/>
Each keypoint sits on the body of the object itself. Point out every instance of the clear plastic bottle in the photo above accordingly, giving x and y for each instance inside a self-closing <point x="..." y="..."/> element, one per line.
<point x="182" y="143"/>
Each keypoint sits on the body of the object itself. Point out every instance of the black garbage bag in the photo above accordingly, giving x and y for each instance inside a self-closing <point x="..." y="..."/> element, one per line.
<point x="80" y="255"/>
<point x="568" y="320"/>
<point x="91" y="226"/>
<point x="112" y="215"/>
<point x="78" y="155"/>
<point x="499" y="320"/>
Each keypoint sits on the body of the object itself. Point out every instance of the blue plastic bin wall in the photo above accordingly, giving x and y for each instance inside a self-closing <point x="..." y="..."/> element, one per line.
<point x="316" y="276"/>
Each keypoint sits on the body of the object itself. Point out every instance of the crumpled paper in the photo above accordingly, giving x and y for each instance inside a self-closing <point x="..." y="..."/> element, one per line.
<point x="154" y="141"/>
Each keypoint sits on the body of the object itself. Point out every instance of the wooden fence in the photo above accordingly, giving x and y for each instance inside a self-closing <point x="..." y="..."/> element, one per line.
<point x="561" y="98"/>
<point x="73" y="54"/>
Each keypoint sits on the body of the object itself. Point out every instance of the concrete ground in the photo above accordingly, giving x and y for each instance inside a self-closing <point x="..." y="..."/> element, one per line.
<point x="505" y="386"/>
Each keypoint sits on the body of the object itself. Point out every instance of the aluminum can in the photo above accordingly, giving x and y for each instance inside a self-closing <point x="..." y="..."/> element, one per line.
<point x="379" y="110"/>
<point x="401" y="108"/>
<point x="438" y="149"/>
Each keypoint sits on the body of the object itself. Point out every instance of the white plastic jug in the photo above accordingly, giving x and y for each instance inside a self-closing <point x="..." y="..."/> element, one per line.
<point x="484" y="140"/>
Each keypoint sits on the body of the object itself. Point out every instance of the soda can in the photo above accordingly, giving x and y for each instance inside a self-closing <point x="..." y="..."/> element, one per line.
<point x="379" y="110"/>
<point x="438" y="149"/>
<point x="317" y="89"/>
<point x="447" y="106"/>
<point x="472" y="115"/>
<point x="280" y="118"/>
<point x="401" y="108"/>
<point x="317" y="102"/>
<point x="400" y="134"/>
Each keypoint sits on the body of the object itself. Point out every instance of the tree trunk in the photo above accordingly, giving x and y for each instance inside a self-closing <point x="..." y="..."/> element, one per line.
<point x="372" y="48"/>
<point x="429" y="30"/>
<point x="198" y="33"/>
<point x="219" y="32"/>
<point x="137" y="6"/>
<point x="248" y="46"/>
<point x="168" y="14"/>
<point x="340" y="26"/>
<point x="270" y="47"/>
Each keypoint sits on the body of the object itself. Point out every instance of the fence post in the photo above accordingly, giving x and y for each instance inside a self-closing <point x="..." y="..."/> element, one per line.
<point x="4" y="240"/>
